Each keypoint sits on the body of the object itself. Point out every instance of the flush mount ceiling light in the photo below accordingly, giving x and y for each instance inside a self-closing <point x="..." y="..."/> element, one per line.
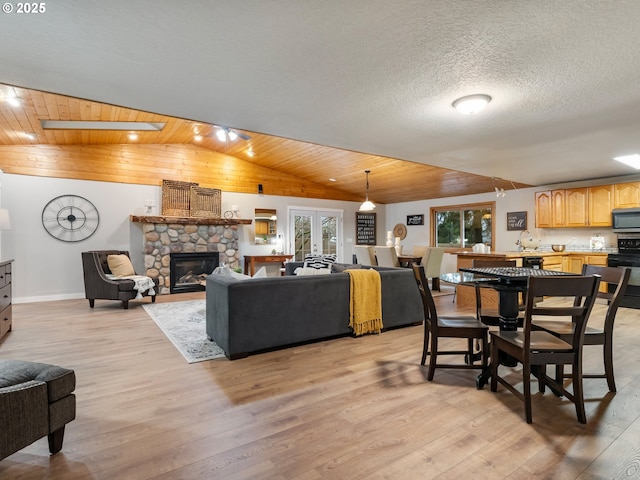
<point x="471" y="103"/>
<point x="82" y="125"/>
<point x="631" y="160"/>
<point x="367" y="206"/>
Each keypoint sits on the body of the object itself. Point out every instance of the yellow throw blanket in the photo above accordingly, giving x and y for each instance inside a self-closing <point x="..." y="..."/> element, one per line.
<point x="365" y="302"/>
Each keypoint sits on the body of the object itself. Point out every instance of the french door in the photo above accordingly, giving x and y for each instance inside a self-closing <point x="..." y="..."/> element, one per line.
<point x="318" y="232"/>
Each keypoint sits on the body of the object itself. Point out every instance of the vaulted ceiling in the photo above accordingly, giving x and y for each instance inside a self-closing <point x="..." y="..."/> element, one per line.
<point x="330" y="89"/>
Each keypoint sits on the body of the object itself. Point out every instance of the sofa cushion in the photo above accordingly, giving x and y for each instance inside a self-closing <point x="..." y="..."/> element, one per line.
<point x="120" y="265"/>
<point x="319" y="261"/>
<point x="302" y="271"/>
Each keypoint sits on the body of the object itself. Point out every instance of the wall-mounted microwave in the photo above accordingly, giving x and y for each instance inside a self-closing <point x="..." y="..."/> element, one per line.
<point x="625" y="220"/>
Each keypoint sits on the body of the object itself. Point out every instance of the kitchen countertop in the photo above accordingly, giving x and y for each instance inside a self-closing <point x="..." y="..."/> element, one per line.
<point x="535" y="253"/>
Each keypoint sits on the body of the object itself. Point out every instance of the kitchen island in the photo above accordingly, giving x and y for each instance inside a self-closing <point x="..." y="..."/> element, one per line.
<point x="571" y="261"/>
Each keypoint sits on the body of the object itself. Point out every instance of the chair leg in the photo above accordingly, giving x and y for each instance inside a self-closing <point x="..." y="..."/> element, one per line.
<point x="425" y="343"/>
<point x="485" y="353"/>
<point x="125" y="304"/>
<point x="435" y="283"/>
<point x="494" y="366"/>
<point x="608" y="363"/>
<point x="542" y="377"/>
<point x="92" y="302"/>
<point x="578" y="393"/>
<point x="433" y="357"/>
<point x="526" y="387"/>
<point x="55" y="440"/>
<point x="153" y="299"/>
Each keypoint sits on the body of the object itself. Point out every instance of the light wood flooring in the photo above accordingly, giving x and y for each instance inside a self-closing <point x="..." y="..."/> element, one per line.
<point x="351" y="408"/>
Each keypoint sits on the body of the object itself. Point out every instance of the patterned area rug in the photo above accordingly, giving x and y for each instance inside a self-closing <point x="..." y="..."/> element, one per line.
<point x="184" y="324"/>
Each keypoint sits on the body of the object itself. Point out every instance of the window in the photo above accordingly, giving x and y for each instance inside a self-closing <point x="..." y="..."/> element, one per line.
<point x="462" y="225"/>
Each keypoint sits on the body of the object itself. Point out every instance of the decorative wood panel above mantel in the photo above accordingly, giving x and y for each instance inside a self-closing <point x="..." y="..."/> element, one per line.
<point x="190" y="220"/>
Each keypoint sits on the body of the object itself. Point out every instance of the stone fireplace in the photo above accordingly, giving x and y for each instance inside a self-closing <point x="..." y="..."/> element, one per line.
<point x="163" y="236"/>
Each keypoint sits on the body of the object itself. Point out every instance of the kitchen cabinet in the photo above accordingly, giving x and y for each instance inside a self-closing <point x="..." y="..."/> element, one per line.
<point x="558" y="215"/>
<point x="262" y="227"/>
<point x="554" y="262"/>
<point x="577" y="261"/>
<point x="575" y="207"/>
<point x="600" y="205"/>
<point x="626" y="195"/>
<point x="550" y="209"/>
<point x="543" y="210"/>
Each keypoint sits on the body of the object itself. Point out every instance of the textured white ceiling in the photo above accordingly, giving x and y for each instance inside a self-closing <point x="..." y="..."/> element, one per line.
<point x="366" y="75"/>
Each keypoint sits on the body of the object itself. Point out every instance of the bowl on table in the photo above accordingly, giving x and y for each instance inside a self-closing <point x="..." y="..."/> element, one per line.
<point x="558" y="248"/>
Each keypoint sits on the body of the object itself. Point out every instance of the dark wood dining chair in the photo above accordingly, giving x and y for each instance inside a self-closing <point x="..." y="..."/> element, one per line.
<point x="489" y="315"/>
<point x="435" y="327"/>
<point x="619" y="278"/>
<point x="535" y="349"/>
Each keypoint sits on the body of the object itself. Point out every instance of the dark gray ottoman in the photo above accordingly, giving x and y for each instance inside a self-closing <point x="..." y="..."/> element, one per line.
<point x="36" y="399"/>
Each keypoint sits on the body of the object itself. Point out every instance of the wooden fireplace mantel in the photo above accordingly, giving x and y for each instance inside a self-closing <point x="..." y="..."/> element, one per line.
<point x="189" y="220"/>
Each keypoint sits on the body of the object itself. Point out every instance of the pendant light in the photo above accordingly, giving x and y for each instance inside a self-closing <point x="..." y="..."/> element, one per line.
<point x="367" y="206"/>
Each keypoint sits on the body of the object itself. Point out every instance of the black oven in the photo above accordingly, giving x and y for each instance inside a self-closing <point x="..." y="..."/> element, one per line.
<point x="628" y="256"/>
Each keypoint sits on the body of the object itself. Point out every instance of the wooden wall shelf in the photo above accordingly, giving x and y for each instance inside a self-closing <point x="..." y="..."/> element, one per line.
<point x="190" y="220"/>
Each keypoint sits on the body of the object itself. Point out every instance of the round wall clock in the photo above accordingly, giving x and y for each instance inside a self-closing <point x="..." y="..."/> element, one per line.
<point x="70" y="218"/>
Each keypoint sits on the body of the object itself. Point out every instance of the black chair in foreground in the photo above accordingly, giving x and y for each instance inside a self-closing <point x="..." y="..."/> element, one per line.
<point x="465" y="327"/>
<point x="536" y="349"/>
<point x="617" y="276"/>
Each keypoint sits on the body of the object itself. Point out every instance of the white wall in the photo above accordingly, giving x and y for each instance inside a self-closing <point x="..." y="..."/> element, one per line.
<point x="45" y="268"/>
<point x="48" y="269"/>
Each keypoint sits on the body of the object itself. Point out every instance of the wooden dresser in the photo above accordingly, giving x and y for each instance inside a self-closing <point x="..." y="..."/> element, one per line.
<point x="5" y="297"/>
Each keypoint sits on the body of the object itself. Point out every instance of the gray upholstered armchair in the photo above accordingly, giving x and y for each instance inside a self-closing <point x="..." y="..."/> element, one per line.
<point x="36" y="400"/>
<point x="98" y="285"/>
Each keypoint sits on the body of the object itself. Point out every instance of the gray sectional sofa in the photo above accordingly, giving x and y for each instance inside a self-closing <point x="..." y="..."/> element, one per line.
<point x="258" y="314"/>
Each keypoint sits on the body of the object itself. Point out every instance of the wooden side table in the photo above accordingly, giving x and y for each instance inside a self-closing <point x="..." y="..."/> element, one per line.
<point x="251" y="260"/>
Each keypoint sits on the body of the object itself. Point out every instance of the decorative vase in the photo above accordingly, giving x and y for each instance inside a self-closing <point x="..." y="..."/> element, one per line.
<point x="389" y="238"/>
<point x="398" y="246"/>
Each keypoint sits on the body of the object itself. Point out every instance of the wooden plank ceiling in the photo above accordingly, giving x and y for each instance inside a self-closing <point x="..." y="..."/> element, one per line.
<point x="283" y="166"/>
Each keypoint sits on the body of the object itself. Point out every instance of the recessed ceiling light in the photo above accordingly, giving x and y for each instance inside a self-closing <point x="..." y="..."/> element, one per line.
<point x="471" y="103"/>
<point x="631" y="160"/>
<point x="133" y="136"/>
<point x="30" y="136"/>
<point x="197" y="138"/>
<point x="332" y="180"/>
<point x="250" y="152"/>
<point x="13" y="101"/>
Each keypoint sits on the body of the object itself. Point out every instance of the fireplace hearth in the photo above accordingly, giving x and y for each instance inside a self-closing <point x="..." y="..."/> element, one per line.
<point x="188" y="271"/>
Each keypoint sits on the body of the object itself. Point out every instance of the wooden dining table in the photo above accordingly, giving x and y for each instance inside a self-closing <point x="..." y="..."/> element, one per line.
<point x="408" y="260"/>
